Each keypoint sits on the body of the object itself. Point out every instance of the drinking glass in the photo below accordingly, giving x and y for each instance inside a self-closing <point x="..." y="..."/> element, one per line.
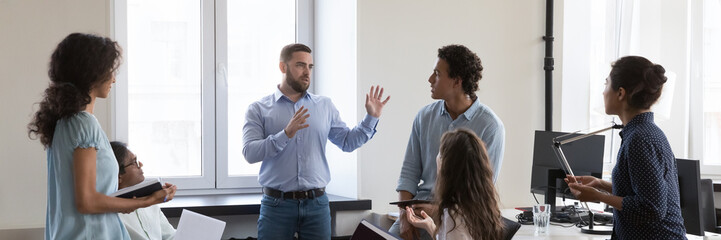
<point x="541" y="217"/>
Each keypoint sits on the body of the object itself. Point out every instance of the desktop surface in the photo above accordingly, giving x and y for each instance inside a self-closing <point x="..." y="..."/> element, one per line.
<point x="556" y="232"/>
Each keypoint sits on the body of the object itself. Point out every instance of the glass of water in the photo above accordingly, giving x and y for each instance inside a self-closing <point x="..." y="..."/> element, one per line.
<point x="541" y="217"/>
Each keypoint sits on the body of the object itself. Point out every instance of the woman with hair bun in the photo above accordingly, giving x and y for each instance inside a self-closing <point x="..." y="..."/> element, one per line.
<point x="644" y="192"/>
<point x="82" y="169"/>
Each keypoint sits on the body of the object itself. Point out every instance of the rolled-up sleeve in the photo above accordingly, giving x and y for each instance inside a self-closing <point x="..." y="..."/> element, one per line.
<point x="412" y="167"/>
<point x="256" y="146"/>
<point x="494" y="138"/>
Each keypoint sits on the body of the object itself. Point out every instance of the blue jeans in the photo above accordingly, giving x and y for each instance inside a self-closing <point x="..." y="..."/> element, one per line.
<point x="282" y="218"/>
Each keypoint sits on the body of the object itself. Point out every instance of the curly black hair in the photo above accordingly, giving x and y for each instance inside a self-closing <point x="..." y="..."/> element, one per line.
<point x="465" y="64"/>
<point x="642" y="79"/>
<point x="79" y="63"/>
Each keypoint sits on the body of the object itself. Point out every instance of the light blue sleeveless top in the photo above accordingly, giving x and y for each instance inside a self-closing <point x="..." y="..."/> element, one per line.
<point x="63" y="221"/>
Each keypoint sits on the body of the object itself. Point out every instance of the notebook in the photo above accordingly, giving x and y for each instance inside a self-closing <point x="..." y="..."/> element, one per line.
<point x="369" y="231"/>
<point x="142" y="189"/>
<point x="195" y="226"/>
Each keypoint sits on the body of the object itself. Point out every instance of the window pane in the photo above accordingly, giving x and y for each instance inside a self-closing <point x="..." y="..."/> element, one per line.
<point x="712" y="82"/>
<point x="253" y="53"/>
<point x="164" y="86"/>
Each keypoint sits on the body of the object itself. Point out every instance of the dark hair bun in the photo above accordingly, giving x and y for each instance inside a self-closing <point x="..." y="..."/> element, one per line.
<point x="642" y="80"/>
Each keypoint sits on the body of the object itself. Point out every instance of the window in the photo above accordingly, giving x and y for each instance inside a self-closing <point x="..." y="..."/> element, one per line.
<point x="710" y="83"/>
<point x="683" y="36"/>
<point x="192" y="68"/>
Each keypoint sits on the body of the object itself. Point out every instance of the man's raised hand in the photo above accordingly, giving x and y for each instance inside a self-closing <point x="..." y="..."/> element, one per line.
<point x="297" y="122"/>
<point x="374" y="105"/>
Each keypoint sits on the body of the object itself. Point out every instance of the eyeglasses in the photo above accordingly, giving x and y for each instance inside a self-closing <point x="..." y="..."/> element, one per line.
<point x="135" y="162"/>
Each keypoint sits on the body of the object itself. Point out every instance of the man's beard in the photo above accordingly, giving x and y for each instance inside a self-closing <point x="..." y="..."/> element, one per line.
<point x="295" y="83"/>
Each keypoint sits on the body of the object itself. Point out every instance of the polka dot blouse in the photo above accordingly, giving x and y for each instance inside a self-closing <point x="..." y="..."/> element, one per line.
<point x="645" y="176"/>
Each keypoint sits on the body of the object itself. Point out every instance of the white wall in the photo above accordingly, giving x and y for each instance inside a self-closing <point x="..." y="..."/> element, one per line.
<point x="29" y="31"/>
<point x="397" y="46"/>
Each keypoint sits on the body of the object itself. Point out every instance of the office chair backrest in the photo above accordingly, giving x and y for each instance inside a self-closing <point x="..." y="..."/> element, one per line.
<point x="689" y="180"/>
<point x="708" y="214"/>
<point x="509" y="228"/>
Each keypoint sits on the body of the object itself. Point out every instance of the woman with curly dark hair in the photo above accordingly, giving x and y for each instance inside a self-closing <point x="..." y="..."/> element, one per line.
<point x="464" y="191"/>
<point x="82" y="169"/>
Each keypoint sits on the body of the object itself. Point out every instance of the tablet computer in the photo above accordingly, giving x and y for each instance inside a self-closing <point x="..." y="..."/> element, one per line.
<point x="403" y="204"/>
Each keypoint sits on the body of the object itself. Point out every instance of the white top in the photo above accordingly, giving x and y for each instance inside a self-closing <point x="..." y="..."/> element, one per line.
<point x="147" y="224"/>
<point x="447" y="231"/>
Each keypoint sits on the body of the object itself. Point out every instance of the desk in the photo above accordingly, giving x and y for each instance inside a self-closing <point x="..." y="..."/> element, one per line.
<point x="571" y="233"/>
<point x="242" y="204"/>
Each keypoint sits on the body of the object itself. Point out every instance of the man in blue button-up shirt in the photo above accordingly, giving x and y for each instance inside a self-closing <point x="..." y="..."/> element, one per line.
<point x="287" y="131"/>
<point x="454" y="82"/>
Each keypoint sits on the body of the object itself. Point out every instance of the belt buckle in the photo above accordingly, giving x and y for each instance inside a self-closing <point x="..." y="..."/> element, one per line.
<point x="300" y="195"/>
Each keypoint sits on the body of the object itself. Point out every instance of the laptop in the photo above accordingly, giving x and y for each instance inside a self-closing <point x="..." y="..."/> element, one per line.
<point x="369" y="231"/>
<point x="195" y="226"/>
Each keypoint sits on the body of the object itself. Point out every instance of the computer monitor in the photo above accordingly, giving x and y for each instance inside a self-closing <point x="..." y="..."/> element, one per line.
<point x="585" y="157"/>
<point x="689" y="181"/>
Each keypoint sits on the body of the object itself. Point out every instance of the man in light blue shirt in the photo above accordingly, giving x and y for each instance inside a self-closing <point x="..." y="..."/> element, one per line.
<point x="287" y="131"/>
<point x="454" y="82"/>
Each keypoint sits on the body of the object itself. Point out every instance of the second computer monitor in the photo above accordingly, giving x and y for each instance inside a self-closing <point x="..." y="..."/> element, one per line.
<point x="585" y="157"/>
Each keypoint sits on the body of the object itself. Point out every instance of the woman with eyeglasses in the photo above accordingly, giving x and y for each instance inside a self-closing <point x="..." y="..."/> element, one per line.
<point x="82" y="169"/>
<point x="144" y="223"/>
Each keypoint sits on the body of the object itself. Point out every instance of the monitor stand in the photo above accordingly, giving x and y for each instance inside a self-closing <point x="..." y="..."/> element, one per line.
<point x="556" y="212"/>
<point x="600" y="230"/>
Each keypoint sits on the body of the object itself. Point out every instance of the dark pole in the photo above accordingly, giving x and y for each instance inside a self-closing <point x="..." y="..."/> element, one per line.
<point x="548" y="64"/>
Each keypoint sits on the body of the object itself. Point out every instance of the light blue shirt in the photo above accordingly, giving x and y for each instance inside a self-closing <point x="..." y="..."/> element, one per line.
<point x="429" y="125"/>
<point x="298" y="163"/>
<point x="63" y="221"/>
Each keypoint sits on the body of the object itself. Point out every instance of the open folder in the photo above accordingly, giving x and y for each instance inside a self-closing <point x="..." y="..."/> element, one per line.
<point x="142" y="189"/>
<point x="195" y="226"/>
<point x="369" y="231"/>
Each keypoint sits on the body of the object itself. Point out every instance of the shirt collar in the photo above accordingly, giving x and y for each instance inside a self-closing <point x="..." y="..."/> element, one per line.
<point x="468" y="114"/>
<point x="278" y="94"/>
<point x="639" y="119"/>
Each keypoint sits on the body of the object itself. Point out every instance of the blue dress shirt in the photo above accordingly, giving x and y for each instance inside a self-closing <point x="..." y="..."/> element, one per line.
<point x="298" y="163"/>
<point x="429" y="125"/>
<point x="645" y="176"/>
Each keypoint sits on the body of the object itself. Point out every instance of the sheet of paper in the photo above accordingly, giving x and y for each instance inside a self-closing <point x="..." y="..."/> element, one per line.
<point x="194" y="226"/>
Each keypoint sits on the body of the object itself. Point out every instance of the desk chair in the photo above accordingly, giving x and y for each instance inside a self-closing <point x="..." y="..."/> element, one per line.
<point x="708" y="214"/>
<point x="510" y="228"/>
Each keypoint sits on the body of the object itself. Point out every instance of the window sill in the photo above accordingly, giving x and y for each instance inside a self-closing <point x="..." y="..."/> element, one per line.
<point x="246" y="203"/>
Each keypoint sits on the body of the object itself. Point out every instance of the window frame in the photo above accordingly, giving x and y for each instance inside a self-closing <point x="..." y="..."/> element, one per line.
<point x="696" y="128"/>
<point x="214" y="178"/>
<point x="303" y="34"/>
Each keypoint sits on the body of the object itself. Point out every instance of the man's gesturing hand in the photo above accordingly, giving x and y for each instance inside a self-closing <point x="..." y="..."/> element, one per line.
<point x="374" y="103"/>
<point x="297" y="122"/>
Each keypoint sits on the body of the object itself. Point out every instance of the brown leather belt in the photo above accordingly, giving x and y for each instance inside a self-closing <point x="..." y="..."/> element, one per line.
<point x="310" y="194"/>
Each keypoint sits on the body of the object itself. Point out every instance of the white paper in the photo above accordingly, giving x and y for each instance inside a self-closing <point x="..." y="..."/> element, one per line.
<point x="195" y="226"/>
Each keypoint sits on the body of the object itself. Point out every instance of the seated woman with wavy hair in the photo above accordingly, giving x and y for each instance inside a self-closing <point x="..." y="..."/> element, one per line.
<point x="464" y="191"/>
